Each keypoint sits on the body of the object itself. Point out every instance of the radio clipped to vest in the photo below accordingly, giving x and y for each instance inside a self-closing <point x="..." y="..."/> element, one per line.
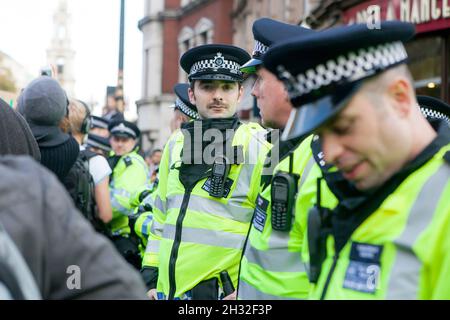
<point x="319" y="227"/>
<point x="219" y="174"/>
<point x="284" y="189"/>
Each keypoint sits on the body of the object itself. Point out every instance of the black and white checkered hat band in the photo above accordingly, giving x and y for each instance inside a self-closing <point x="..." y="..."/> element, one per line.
<point x="186" y="110"/>
<point x="429" y="113"/>
<point x="98" y="124"/>
<point x="202" y="65"/>
<point x="260" y="49"/>
<point x="349" y="68"/>
<point x="123" y="129"/>
<point x="95" y="144"/>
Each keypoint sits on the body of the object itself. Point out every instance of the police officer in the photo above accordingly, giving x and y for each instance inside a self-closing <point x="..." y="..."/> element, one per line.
<point x="130" y="173"/>
<point x="98" y="144"/>
<point x="184" y="110"/>
<point x="434" y="109"/>
<point x="272" y="267"/>
<point x="207" y="189"/>
<point x="359" y="98"/>
<point x="99" y="127"/>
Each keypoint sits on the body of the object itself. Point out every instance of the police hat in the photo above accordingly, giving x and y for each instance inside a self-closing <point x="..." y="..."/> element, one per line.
<point x="214" y="62"/>
<point x="322" y="70"/>
<point x="95" y="141"/>
<point x="98" y="122"/>
<point x="124" y="129"/>
<point x="433" y="108"/>
<point x="183" y="103"/>
<point x="266" y="33"/>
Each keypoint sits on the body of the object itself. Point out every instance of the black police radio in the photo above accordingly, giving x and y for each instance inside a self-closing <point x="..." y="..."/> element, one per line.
<point x="219" y="174"/>
<point x="284" y="190"/>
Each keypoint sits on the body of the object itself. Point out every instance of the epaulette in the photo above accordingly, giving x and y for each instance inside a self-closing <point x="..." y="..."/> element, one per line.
<point x="447" y="157"/>
<point x="128" y="161"/>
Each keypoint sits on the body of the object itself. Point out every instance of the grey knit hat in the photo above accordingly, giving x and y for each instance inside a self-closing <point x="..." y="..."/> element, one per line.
<point x="43" y="104"/>
<point x="15" y="134"/>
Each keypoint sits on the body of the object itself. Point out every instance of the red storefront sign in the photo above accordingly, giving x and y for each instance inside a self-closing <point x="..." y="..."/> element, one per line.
<point x="427" y="15"/>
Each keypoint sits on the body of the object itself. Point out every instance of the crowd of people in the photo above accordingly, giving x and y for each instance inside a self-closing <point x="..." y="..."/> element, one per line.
<point x="341" y="193"/>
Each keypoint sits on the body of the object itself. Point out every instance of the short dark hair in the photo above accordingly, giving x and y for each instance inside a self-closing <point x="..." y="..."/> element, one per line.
<point x="155" y="151"/>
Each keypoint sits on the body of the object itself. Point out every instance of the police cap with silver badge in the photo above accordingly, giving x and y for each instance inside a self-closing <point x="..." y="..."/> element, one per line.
<point x="124" y="129"/>
<point x="433" y="108"/>
<point x="214" y="62"/>
<point x="183" y="103"/>
<point x="266" y="33"/>
<point x="323" y="70"/>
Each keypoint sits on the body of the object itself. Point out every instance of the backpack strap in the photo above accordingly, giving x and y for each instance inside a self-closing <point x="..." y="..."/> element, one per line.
<point x="88" y="154"/>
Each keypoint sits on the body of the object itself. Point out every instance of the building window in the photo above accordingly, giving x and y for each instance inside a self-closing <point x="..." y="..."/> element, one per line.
<point x="204" y="31"/>
<point x="430" y="68"/>
<point x="185" y="2"/>
<point x="202" y="38"/>
<point x="185" y="42"/>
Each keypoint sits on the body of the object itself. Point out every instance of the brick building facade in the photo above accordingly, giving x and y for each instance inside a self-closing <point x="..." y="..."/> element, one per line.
<point x="171" y="27"/>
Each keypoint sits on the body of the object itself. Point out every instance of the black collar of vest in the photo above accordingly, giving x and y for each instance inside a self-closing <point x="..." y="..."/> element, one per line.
<point x="220" y="124"/>
<point x="192" y="152"/>
<point x="285" y="149"/>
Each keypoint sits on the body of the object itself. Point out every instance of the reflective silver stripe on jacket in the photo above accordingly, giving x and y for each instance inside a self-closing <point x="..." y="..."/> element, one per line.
<point x="275" y="259"/>
<point x="405" y="274"/>
<point x="248" y="292"/>
<point x="213" y="207"/>
<point x="160" y="205"/>
<point x="251" y="158"/>
<point x="144" y="228"/>
<point x="152" y="246"/>
<point x="118" y="207"/>
<point x="206" y="237"/>
<point x="157" y="228"/>
<point x="306" y="171"/>
<point x="170" y="150"/>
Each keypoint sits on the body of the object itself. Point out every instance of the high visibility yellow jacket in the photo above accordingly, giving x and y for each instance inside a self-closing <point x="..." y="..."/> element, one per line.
<point x="272" y="266"/>
<point x="194" y="236"/>
<point x="402" y="249"/>
<point x="130" y="174"/>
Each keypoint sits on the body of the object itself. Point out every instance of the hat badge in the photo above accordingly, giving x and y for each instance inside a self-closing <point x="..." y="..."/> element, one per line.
<point x="219" y="60"/>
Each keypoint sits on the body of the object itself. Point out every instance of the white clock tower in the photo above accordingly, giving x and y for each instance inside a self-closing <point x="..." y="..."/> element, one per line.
<point x="60" y="53"/>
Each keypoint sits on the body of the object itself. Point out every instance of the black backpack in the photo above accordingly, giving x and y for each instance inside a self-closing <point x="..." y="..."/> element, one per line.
<point x="80" y="185"/>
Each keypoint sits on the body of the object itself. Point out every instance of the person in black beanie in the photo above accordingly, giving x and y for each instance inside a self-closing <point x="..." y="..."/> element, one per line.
<point x="15" y="134"/>
<point x="44" y="104"/>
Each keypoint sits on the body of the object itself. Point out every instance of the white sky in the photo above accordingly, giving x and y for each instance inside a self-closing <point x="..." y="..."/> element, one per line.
<point x="26" y="29"/>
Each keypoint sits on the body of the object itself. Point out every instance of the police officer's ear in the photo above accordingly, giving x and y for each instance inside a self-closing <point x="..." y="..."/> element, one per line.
<point x="191" y="93"/>
<point x="401" y="94"/>
<point x="241" y="91"/>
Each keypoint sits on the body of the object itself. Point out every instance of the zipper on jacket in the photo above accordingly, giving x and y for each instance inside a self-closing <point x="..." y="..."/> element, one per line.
<point x="176" y="244"/>
<point x="330" y="274"/>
